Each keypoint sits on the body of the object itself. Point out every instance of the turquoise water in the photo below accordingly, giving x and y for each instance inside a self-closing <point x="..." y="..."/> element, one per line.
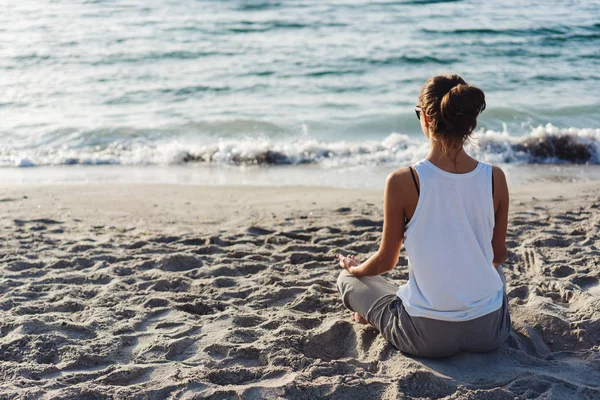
<point x="329" y="83"/>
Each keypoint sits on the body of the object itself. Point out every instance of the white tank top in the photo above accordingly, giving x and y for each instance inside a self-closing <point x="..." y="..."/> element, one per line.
<point x="451" y="276"/>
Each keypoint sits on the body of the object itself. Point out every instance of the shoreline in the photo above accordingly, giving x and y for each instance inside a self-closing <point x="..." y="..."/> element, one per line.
<point x="151" y="291"/>
<point x="350" y="177"/>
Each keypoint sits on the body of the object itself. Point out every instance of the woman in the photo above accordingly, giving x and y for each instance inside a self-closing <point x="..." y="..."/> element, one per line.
<point x="452" y="212"/>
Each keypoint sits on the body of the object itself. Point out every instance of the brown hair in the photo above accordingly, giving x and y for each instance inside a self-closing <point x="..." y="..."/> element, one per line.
<point x="452" y="107"/>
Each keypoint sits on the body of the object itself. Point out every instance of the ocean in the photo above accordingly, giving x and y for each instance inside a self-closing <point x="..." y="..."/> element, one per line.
<point x="288" y="92"/>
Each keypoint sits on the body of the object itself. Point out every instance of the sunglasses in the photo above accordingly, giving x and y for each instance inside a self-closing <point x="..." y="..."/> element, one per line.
<point x="418" y="112"/>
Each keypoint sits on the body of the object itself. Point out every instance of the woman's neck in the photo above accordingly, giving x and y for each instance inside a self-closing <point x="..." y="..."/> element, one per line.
<point x="456" y="160"/>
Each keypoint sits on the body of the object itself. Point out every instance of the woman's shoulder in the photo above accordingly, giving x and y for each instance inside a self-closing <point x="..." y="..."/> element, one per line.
<point x="497" y="172"/>
<point x="499" y="183"/>
<point x="399" y="174"/>
<point x="400" y="178"/>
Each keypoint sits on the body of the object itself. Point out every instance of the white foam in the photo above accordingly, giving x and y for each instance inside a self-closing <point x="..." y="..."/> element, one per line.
<point x="543" y="144"/>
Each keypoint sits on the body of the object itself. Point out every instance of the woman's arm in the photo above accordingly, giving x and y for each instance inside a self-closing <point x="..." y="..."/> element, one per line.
<point x="386" y="258"/>
<point x="501" y="200"/>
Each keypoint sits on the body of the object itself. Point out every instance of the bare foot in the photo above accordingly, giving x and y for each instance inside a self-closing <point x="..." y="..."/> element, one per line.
<point x="356" y="317"/>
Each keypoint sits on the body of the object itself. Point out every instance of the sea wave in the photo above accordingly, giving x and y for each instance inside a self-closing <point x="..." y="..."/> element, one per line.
<point x="542" y="145"/>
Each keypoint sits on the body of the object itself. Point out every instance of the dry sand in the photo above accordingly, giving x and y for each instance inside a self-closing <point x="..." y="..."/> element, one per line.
<point x="135" y="292"/>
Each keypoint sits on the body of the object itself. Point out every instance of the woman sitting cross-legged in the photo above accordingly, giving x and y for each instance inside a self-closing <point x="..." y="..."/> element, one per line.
<point x="452" y="212"/>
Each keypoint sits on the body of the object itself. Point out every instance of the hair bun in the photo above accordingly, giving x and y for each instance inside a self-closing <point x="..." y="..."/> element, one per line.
<point x="460" y="107"/>
<point x="451" y="106"/>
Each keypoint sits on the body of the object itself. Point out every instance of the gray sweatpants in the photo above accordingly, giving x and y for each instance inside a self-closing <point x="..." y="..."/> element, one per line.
<point x="374" y="298"/>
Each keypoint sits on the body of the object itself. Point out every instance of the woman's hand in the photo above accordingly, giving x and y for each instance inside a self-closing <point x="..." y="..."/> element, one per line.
<point x="347" y="262"/>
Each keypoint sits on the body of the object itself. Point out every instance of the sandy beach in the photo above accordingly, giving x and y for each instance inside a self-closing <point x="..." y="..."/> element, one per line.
<point x="193" y="292"/>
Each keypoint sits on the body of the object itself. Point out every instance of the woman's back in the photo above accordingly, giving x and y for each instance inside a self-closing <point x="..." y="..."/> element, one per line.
<point x="449" y="246"/>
